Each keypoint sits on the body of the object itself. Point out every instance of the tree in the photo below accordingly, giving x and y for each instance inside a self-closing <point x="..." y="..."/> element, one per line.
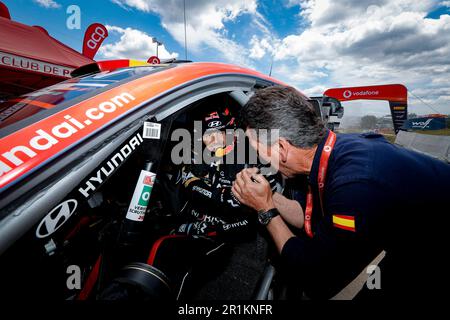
<point x="368" y="122"/>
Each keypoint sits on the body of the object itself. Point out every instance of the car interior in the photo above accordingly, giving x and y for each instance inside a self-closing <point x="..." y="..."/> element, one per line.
<point x="239" y="270"/>
<point x="236" y="270"/>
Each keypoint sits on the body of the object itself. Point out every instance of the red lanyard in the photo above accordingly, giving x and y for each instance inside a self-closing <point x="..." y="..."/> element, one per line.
<point x="323" y="165"/>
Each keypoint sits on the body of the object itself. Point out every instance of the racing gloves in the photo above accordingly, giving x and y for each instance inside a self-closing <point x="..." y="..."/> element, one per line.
<point x="199" y="228"/>
<point x="208" y="226"/>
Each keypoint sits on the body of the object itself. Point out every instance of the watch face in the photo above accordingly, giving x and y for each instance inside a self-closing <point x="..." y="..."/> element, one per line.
<point x="263" y="218"/>
<point x="260" y="219"/>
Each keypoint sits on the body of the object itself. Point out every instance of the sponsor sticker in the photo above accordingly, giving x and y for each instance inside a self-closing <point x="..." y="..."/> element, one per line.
<point x="141" y="196"/>
<point x="152" y="130"/>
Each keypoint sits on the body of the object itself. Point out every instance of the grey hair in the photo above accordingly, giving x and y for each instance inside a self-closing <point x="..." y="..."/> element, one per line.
<point x="284" y="109"/>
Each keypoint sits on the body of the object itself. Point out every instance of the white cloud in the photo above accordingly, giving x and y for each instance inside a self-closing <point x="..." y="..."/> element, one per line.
<point x="205" y="23"/>
<point x="315" y="91"/>
<point x="364" y="42"/>
<point x="133" y="44"/>
<point x="340" y="43"/>
<point x="48" y="4"/>
<point x="445" y="4"/>
<point x="261" y="46"/>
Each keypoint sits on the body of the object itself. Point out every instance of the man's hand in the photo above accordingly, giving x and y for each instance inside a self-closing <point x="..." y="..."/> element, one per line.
<point x="253" y="190"/>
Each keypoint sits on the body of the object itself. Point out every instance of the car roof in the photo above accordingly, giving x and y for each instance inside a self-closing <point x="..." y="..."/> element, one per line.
<point x="77" y="119"/>
<point x="18" y="113"/>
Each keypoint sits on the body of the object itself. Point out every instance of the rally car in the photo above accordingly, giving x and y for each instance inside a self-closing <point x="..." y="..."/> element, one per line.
<point x="70" y="157"/>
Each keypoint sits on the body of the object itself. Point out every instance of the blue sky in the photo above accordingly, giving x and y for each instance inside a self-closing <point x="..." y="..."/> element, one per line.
<point x="314" y="44"/>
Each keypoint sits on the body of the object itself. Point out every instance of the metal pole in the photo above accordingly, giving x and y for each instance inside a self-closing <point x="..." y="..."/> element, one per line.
<point x="185" y="37"/>
<point x="157" y="46"/>
<point x="271" y="64"/>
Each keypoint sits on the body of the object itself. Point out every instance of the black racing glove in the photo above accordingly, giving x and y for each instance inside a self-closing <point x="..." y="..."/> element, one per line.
<point x="200" y="228"/>
<point x="203" y="228"/>
<point x="228" y="197"/>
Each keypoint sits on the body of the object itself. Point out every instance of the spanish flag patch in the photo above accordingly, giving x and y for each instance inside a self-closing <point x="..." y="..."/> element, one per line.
<point x="344" y="222"/>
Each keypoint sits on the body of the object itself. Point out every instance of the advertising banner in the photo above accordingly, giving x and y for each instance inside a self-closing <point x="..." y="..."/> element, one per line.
<point x="396" y="94"/>
<point x="93" y="39"/>
<point x="426" y="124"/>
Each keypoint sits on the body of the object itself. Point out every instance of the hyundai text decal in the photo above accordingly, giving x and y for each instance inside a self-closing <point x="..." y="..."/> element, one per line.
<point x="93" y="182"/>
<point x="56" y="218"/>
<point x="43" y="140"/>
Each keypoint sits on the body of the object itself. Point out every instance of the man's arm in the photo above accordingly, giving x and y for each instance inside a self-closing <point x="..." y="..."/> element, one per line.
<point x="279" y="232"/>
<point x="340" y="247"/>
<point x="254" y="190"/>
<point x="290" y="210"/>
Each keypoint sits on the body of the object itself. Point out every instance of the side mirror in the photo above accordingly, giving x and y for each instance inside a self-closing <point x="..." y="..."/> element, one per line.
<point x="336" y="108"/>
<point x="316" y="106"/>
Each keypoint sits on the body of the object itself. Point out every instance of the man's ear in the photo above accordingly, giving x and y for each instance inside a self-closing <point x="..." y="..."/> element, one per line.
<point x="284" y="148"/>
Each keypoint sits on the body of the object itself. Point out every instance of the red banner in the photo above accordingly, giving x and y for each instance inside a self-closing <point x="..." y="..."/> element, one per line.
<point x="4" y="12"/>
<point x="396" y="94"/>
<point x="154" y="60"/>
<point x="93" y="38"/>
<point x="18" y="62"/>
<point x="390" y="92"/>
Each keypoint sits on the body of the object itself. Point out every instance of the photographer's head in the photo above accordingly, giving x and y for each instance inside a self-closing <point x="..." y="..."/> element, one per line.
<point x="290" y="127"/>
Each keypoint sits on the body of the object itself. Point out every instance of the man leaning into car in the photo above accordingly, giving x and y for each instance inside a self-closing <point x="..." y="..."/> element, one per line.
<point x="365" y="195"/>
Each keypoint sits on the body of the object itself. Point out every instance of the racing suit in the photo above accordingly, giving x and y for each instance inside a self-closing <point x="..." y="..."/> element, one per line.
<point x="212" y="219"/>
<point x="211" y="206"/>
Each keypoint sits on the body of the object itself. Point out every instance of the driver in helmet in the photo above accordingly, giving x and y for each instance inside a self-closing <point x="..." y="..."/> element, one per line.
<point x="211" y="215"/>
<point x="211" y="207"/>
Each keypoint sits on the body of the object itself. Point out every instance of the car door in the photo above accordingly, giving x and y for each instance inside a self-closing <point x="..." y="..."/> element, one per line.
<point x="41" y="213"/>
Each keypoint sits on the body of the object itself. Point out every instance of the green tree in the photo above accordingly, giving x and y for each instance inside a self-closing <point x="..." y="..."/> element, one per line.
<point x="368" y="122"/>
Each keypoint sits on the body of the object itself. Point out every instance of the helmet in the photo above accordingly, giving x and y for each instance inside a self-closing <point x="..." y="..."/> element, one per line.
<point x="219" y="120"/>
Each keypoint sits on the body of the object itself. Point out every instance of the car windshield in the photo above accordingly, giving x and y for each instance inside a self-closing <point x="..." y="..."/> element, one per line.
<point x="39" y="104"/>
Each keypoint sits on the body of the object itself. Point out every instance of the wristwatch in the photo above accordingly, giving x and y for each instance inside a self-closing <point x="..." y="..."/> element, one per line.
<point x="264" y="217"/>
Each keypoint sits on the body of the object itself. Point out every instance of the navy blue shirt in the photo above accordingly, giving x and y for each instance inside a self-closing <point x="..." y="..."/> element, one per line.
<point x="377" y="196"/>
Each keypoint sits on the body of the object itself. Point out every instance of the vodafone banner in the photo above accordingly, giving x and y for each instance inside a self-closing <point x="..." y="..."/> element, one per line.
<point x="396" y="94"/>
<point x="390" y="92"/>
<point x="93" y="38"/>
<point x="18" y="62"/>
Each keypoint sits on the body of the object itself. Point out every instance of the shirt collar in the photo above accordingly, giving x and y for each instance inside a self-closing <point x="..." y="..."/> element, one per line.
<point x="312" y="178"/>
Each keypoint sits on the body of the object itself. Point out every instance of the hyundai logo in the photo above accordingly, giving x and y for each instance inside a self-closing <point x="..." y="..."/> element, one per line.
<point x="56" y="218"/>
<point x="214" y="124"/>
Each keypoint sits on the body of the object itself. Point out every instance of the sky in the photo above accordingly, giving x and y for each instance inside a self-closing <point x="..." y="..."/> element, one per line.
<point x="312" y="44"/>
